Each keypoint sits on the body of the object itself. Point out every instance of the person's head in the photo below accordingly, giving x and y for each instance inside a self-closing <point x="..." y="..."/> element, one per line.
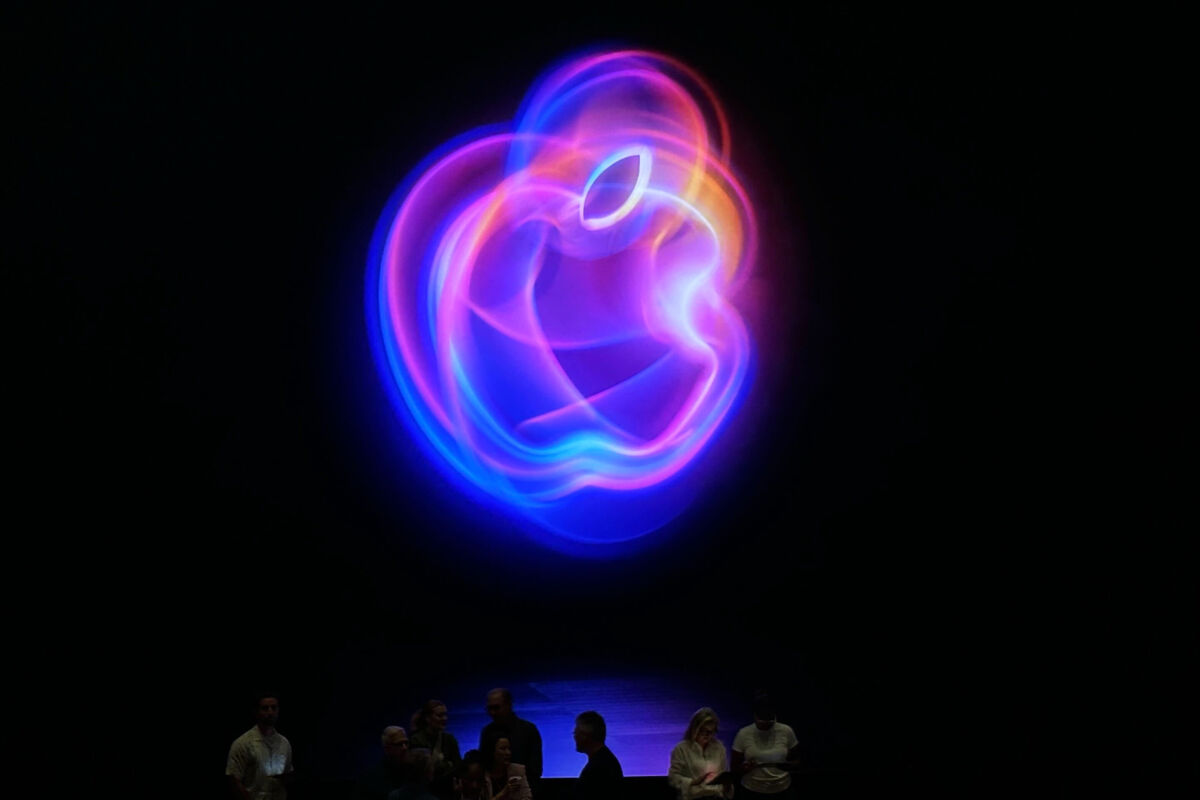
<point x="470" y="774"/>
<point x="432" y="715"/>
<point x="395" y="744"/>
<point x="702" y="728"/>
<point x="420" y="766"/>
<point x="499" y="704"/>
<point x="589" y="732"/>
<point x="764" y="712"/>
<point x="502" y="752"/>
<point x="495" y="750"/>
<point x="266" y="709"/>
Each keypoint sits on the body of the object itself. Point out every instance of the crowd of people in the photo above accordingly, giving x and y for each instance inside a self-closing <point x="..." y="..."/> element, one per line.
<point x="424" y="762"/>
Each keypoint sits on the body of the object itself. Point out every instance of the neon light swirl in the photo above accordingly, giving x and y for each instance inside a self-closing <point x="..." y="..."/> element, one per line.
<point x="551" y="300"/>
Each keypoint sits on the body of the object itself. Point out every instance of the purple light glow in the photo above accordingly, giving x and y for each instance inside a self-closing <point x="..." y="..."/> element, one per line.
<point x="552" y="302"/>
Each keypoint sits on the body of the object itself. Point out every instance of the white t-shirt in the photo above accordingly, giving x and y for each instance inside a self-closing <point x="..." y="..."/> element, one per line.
<point x="772" y="744"/>
<point x="260" y="762"/>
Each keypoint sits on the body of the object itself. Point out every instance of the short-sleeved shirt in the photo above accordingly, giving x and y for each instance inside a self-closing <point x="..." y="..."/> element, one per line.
<point x="260" y="762"/>
<point x="772" y="744"/>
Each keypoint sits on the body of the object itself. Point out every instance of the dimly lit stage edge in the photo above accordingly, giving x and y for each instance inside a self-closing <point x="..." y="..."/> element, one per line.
<point x="646" y="712"/>
<point x="646" y="715"/>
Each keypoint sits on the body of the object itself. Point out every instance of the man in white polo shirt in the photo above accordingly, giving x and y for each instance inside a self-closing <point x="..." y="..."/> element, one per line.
<point x="260" y="760"/>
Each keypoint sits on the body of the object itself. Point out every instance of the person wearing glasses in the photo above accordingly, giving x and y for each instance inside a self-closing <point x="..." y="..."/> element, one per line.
<point x="698" y="763"/>
<point x="391" y="772"/>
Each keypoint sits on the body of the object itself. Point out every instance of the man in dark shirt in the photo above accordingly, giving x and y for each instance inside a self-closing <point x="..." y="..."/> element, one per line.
<point x="420" y="774"/>
<point x="390" y="773"/>
<point x="602" y="776"/>
<point x="523" y="736"/>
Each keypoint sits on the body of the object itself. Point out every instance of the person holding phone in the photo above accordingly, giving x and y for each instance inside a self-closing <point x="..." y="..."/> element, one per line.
<point x="764" y="753"/>
<point x="699" y="767"/>
<point x="505" y="780"/>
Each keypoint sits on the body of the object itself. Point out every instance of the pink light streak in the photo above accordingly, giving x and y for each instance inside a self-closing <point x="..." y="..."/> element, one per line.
<point x="555" y="301"/>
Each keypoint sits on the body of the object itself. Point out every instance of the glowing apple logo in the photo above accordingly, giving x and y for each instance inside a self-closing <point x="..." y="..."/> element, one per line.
<point x="550" y="301"/>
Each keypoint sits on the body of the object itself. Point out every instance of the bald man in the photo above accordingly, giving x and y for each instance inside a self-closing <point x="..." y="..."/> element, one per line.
<point x="523" y="736"/>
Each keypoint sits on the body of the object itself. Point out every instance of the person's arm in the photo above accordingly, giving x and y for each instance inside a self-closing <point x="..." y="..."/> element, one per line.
<point x="289" y="771"/>
<point x="235" y="767"/>
<point x="793" y="759"/>
<point x="741" y="764"/>
<point x="726" y="790"/>
<point x="518" y="782"/>
<point x="236" y="789"/>
<point x="741" y="745"/>
<point x="680" y="776"/>
<point x="515" y="788"/>
<point x="793" y="746"/>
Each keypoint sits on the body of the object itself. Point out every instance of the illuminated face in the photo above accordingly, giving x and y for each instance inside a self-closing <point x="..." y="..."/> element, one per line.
<point x="497" y="709"/>
<point x="437" y="718"/>
<point x="705" y="734"/>
<point x="267" y="713"/>
<point x="503" y="754"/>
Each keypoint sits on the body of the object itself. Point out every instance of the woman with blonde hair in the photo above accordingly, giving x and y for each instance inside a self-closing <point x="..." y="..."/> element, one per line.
<point x="699" y="759"/>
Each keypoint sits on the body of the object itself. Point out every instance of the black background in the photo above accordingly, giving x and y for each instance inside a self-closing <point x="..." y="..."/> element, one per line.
<point x="906" y="534"/>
